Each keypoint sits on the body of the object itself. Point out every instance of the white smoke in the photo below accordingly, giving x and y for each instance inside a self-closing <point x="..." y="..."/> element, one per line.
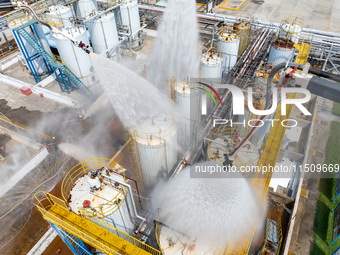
<point x="176" y="52"/>
<point x="211" y="210"/>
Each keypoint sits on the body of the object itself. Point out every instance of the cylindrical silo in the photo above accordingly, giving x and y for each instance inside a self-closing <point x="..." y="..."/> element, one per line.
<point x="281" y="50"/>
<point x="228" y="45"/>
<point x="188" y="101"/>
<point x="72" y="56"/>
<point x="129" y="13"/>
<point x="156" y="141"/>
<point x="96" y="189"/>
<point x="291" y="32"/>
<point x="211" y="66"/>
<point x="103" y="32"/>
<point x="242" y="29"/>
<point x="86" y="8"/>
<point x="60" y="13"/>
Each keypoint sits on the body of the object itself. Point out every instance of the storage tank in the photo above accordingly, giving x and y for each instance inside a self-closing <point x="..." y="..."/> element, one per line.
<point x="281" y="50"/>
<point x="211" y="66"/>
<point x="242" y="29"/>
<point x="156" y="142"/>
<point x="72" y="56"/>
<point x="57" y="13"/>
<point x="103" y="32"/>
<point x="228" y="45"/>
<point x="188" y="101"/>
<point x="86" y="8"/>
<point x="129" y="13"/>
<point x="97" y="190"/>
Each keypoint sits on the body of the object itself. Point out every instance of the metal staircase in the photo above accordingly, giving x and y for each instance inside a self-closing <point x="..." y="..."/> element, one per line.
<point x="304" y="50"/>
<point x="75" y="244"/>
<point x="67" y="80"/>
<point x="134" y="157"/>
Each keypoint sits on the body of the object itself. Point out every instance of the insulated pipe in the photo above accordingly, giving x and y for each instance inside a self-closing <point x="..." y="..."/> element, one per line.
<point x="269" y="91"/>
<point x="130" y="193"/>
<point x="19" y="5"/>
<point x="286" y="64"/>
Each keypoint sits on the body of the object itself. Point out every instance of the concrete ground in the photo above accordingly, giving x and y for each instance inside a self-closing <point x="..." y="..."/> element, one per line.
<point x="303" y="235"/>
<point x="322" y="15"/>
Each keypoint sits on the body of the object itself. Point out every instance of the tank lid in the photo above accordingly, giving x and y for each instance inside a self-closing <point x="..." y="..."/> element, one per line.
<point x="211" y="58"/>
<point x="242" y="25"/>
<point x="283" y="43"/>
<point x="128" y="3"/>
<point x="73" y="32"/>
<point x="102" y="197"/>
<point x="228" y="37"/>
<point x="58" y="9"/>
<point x="293" y="29"/>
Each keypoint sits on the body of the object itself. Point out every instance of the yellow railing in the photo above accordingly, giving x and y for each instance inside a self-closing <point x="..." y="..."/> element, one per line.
<point x="279" y="232"/>
<point x="96" y="232"/>
<point x="267" y="234"/>
<point x="19" y="17"/>
<point x="84" y="168"/>
<point x="150" y="137"/>
<point x="134" y="158"/>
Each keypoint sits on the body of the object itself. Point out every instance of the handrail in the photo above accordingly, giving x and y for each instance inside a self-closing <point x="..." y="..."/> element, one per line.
<point x="44" y="201"/>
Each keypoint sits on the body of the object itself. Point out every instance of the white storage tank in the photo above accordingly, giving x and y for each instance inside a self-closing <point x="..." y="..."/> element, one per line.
<point x="228" y="44"/>
<point x="156" y="141"/>
<point x="281" y="50"/>
<point x="86" y="8"/>
<point x="60" y="13"/>
<point x="72" y="56"/>
<point x="129" y="12"/>
<point x="103" y="32"/>
<point x="92" y="195"/>
<point x="188" y="101"/>
<point x="211" y="66"/>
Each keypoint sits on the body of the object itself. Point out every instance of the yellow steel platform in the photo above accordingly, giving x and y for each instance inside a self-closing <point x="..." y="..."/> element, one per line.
<point x="303" y="54"/>
<point x="261" y="180"/>
<point x="105" y="238"/>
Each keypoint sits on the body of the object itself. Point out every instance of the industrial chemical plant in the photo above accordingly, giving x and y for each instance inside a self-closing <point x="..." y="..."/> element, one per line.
<point x="169" y="127"/>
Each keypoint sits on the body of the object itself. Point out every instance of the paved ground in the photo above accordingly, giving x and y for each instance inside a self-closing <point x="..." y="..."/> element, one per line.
<point x="321" y="15"/>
